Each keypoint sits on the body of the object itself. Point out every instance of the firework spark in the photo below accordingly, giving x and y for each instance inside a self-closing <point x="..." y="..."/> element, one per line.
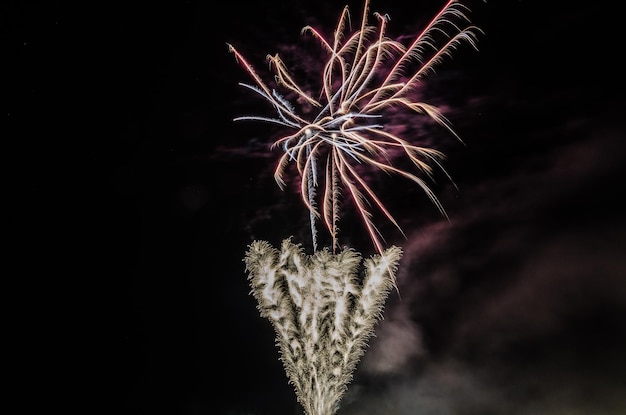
<point x="366" y="72"/>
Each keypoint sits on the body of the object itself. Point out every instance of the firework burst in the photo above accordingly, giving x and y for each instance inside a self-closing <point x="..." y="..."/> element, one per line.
<point x="365" y="73"/>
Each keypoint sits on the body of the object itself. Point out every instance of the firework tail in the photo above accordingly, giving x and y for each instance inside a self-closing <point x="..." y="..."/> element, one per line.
<point x="323" y="312"/>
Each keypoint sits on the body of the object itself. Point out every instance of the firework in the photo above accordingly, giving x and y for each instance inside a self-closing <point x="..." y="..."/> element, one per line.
<point x="365" y="73"/>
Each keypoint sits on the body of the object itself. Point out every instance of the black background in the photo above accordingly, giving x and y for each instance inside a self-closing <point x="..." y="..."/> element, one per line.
<point x="133" y="197"/>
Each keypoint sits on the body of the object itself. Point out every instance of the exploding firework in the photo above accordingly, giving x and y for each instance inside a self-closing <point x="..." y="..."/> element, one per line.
<point x="365" y="74"/>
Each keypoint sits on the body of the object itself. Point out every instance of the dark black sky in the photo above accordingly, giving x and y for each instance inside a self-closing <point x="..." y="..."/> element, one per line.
<point x="134" y="197"/>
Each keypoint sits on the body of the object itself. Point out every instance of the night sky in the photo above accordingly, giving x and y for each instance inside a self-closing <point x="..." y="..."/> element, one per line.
<point x="134" y="196"/>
